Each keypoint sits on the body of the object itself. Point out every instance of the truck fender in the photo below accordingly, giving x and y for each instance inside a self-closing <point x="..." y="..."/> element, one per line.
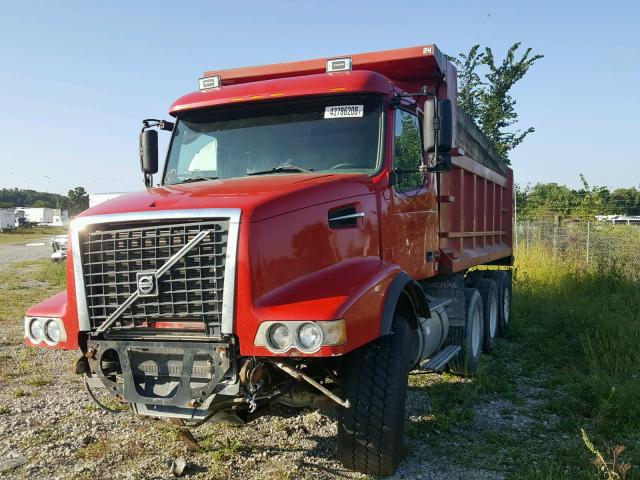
<point x="403" y="284"/>
<point x="55" y="307"/>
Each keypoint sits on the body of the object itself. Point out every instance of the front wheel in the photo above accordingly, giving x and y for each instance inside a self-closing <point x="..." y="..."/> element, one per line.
<point x="371" y="431"/>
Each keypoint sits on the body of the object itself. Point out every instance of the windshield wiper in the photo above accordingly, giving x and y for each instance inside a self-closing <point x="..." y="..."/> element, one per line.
<point x="282" y="169"/>
<point x="195" y="179"/>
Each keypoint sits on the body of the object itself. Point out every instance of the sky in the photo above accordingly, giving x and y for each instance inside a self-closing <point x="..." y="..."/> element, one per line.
<point x="76" y="78"/>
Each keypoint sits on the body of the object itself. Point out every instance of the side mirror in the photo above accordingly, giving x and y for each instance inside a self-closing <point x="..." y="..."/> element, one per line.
<point x="149" y="152"/>
<point x="437" y="126"/>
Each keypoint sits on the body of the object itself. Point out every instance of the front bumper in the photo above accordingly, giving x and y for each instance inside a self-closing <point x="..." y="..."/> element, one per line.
<point x="177" y="379"/>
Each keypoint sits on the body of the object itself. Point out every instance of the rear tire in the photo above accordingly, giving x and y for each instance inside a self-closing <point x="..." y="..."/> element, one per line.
<point x="371" y="431"/>
<point x="489" y="293"/>
<point x="503" y="281"/>
<point x="470" y="337"/>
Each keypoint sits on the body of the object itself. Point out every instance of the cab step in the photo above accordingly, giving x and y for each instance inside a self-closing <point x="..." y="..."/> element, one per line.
<point x="440" y="359"/>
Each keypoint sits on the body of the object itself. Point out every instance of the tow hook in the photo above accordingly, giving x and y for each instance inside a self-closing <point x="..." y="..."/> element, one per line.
<point x="82" y="366"/>
<point x="298" y="375"/>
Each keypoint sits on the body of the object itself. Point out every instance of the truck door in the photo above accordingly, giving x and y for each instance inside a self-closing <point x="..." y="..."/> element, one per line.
<point x="410" y="228"/>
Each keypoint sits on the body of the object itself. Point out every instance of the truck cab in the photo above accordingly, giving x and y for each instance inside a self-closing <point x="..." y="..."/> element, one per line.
<point x="318" y="229"/>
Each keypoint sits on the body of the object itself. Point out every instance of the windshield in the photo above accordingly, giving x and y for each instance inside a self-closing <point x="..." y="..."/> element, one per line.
<point x="328" y="135"/>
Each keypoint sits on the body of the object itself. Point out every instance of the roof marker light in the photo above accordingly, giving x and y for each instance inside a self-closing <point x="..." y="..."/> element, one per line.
<point x="207" y="83"/>
<point x="339" y="65"/>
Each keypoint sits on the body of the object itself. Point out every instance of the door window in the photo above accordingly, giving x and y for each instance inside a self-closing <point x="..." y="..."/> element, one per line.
<point x="408" y="151"/>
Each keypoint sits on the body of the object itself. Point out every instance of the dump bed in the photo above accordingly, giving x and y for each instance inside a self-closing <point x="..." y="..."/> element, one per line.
<point x="476" y="203"/>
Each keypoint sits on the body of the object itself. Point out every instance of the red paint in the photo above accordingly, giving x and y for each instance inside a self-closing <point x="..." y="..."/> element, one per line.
<point x="259" y="197"/>
<point x="475" y="227"/>
<point x="270" y="90"/>
<point x="290" y="264"/>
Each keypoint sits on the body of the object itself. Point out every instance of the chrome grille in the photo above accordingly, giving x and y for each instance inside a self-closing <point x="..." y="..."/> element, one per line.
<point x="191" y="291"/>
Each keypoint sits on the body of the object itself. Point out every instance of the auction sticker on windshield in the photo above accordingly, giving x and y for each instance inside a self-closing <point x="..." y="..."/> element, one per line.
<point x="344" y="111"/>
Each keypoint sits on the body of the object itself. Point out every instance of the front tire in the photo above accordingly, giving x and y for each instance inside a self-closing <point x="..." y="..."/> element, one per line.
<point x="371" y="431"/>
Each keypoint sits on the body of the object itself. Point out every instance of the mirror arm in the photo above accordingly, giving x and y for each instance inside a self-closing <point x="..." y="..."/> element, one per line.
<point x="442" y="164"/>
<point x="153" y="122"/>
<point x="396" y="100"/>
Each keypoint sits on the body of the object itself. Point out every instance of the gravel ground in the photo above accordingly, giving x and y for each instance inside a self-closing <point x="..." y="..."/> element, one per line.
<point x="18" y="252"/>
<point x="48" y="419"/>
<point x="48" y="424"/>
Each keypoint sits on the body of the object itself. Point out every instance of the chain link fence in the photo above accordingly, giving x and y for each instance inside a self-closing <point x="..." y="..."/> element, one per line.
<point x="587" y="243"/>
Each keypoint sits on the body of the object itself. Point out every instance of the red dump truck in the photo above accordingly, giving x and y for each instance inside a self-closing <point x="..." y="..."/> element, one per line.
<point x="314" y="237"/>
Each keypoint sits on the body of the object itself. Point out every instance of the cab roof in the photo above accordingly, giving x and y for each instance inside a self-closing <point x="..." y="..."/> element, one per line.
<point x="290" y="87"/>
<point x="405" y="69"/>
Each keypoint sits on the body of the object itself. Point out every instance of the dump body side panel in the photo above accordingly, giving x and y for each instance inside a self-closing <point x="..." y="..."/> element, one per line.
<point x="476" y="211"/>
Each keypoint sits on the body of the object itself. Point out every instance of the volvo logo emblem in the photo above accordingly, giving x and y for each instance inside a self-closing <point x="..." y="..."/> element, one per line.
<point x="147" y="284"/>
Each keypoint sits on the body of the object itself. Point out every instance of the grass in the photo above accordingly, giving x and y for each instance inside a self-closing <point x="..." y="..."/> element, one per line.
<point x="571" y="362"/>
<point x="582" y="325"/>
<point x="37" y="382"/>
<point x="22" y="286"/>
<point x="23" y="235"/>
<point x="27" y="283"/>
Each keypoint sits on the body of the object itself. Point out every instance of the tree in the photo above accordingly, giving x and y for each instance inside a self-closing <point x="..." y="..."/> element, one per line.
<point x="470" y="86"/>
<point x="17" y="197"/>
<point x="78" y="200"/>
<point x="550" y="200"/>
<point x="625" y="201"/>
<point x="488" y="101"/>
<point x="546" y="200"/>
<point x="593" y="200"/>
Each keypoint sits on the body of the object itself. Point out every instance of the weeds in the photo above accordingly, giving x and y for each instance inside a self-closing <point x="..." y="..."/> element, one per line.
<point x="95" y="450"/>
<point x="570" y="362"/>
<point x="46" y="436"/>
<point x="226" y="449"/>
<point x="37" y="382"/>
<point x="582" y="326"/>
<point x="614" y="468"/>
<point x="19" y="393"/>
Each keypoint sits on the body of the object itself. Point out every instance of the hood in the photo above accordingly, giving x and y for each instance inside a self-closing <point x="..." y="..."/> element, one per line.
<point x="259" y="197"/>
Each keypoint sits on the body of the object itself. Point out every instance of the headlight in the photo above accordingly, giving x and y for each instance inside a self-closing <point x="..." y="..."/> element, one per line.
<point x="36" y="330"/>
<point x="279" y="336"/>
<point x="52" y="331"/>
<point x="310" y="336"/>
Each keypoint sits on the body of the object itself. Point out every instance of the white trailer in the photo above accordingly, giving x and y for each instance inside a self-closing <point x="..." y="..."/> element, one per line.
<point x="36" y="215"/>
<point x="60" y="217"/>
<point x="7" y="219"/>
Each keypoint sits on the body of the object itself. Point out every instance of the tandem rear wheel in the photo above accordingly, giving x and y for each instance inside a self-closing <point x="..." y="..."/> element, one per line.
<point x="504" y="281"/>
<point x="487" y="316"/>
<point x="470" y="337"/>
